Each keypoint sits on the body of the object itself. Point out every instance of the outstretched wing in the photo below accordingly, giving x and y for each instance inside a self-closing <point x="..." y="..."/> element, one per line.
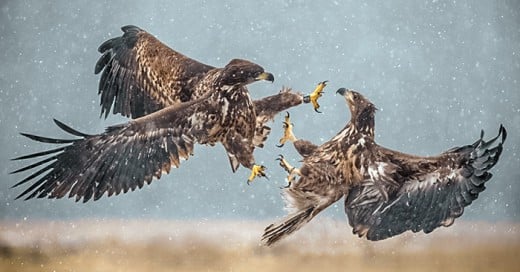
<point x="420" y="194"/>
<point x="142" y="75"/>
<point x="123" y="158"/>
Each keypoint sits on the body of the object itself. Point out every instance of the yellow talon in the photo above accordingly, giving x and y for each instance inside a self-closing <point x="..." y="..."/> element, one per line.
<point x="292" y="171"/>
<point x="315" y="95"/>
<point x="256" y="171"/>
<point x="287" y="133"/>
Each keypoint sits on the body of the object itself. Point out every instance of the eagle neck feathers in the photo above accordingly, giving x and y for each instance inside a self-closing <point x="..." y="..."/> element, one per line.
<point x="363" y="122"/>
<point x="353" y="141"/>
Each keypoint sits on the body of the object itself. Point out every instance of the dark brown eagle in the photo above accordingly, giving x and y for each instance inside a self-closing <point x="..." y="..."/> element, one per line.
<point x="177" y="102"/>
<point x="386" y="192"/>
<point x="141" y="75"/>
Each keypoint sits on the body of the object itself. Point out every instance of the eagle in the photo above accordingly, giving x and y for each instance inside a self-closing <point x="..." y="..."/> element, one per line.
<point x="175" y="102"/>
<point x="386" y="192"/>
<point x="141" y="75"/>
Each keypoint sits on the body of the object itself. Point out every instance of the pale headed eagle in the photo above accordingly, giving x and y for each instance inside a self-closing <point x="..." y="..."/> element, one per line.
<point x="177" y="102"/>
<point x="386" y="192"/>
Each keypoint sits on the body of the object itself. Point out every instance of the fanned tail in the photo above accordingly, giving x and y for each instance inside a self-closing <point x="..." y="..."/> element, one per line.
<point x="273" y="233"/>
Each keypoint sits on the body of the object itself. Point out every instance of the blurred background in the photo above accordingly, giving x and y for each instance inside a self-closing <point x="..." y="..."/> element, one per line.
<point x="438" y="71"/>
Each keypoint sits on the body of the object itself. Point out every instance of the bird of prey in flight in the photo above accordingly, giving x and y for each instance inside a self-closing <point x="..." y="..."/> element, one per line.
<point x="386" y="192"/>
<point x="175" y="102"/>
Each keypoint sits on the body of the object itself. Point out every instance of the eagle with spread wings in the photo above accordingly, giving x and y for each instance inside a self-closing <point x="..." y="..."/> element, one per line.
<point x="175" y="102"/>
<point x="386" y="192"/>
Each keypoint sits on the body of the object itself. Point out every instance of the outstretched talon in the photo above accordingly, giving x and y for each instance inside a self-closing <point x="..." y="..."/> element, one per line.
<point x="256" y="171"/>
<point x="288" y="133"/>
<point x="292" y="171"/>
<point x="315" y="95"/>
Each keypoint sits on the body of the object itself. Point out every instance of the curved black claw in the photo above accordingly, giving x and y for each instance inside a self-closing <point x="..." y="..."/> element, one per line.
<point x="286" y="186"/>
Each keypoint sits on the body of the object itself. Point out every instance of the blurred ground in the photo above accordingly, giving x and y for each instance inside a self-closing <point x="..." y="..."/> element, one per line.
<point x="323" y="245"/>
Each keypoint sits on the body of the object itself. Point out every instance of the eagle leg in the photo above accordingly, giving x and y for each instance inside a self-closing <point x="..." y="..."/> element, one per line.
<point x="288" y="134"/>
<point x="292" y="171"/>
<point x="256" y="171"/>
<point x="315" y="95"/>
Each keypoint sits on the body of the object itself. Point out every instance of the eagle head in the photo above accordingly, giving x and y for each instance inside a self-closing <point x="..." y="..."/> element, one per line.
<point x="361" y="109"/>
<point x="243" y="72"/>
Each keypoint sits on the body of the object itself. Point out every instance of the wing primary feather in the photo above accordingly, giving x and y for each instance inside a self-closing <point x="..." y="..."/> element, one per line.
<point x="130" y="29"/>
<point x="103" y="61"/>
<point x="70" y="130"/>
<point x="108" y="45"/>
<point x="48" y="140"/>
<point x="120" y="182"/>
<point x="108" y="90"/>
<point x="103" y="177"/>
<point x="35" y="184"/>
<point x="35" y="191"/>
<point x="114" y="168"/>
<point x="501" y="132"/>
<point x="39" y="154"/>
<point x="34" y="165"/>
<point x="104" y="77"/>
<point x="35" y="174"/>
<point x="88" y="193"/>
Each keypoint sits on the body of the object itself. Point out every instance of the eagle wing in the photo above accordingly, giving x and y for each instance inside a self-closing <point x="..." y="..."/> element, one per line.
<point x="141" y="75"/>
<point x="403" y="192"/>
<point x="123" y="158"/>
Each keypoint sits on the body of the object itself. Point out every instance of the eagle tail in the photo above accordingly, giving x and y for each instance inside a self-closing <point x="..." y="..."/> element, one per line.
<point x="273" y="233"/>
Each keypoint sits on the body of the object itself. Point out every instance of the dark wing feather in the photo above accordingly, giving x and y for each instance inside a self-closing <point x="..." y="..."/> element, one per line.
<point x="123" y="158"/>
<point x="430" y="192"/>
<point x="141" y="75"/>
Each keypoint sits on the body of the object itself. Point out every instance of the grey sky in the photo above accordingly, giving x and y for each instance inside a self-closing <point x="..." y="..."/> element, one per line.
<point x="439" y="71"/>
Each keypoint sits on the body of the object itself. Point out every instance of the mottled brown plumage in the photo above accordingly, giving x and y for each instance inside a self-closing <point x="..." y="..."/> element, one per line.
<point x="140" y="75"/>
<point x="386" y="192"/>
<point x="127" y="156"/>
<point x="176" y="101"/>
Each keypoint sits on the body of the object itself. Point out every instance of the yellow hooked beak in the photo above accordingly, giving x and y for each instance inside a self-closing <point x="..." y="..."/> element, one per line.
<point x="265" y="76"/>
